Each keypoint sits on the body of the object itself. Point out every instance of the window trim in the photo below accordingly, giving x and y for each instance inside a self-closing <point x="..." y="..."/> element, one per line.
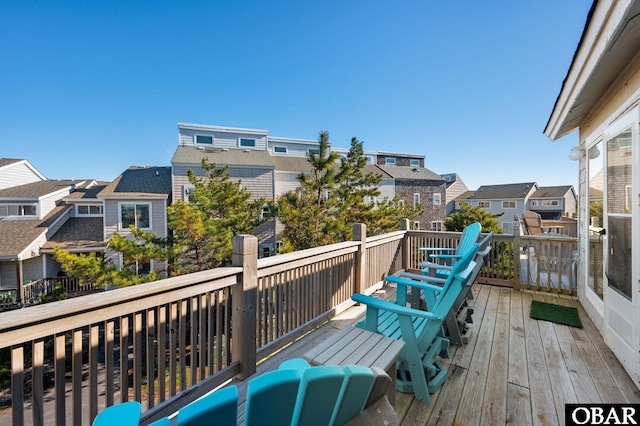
<point x="484" y="204"/>
<point x="136" y="204"/>
<point x="314" y="150"/>
<point x="439" y="223"/>
<point x="241" y="140"/>
<point x="416" y="201"/>
<point x="437" y="196"/>
<point x="186" y="190"/>
<point x="390" y="161"/>
<point x="550" y="203"/>
<point x="276" y="148"/>
<point x="515" y="204"/>
<point x="20" y="207"/>
<point x="195" y="139"/>
<point x="534" y="203"/>
<point x="78" y="214"/>
<point x="414" y="162"/>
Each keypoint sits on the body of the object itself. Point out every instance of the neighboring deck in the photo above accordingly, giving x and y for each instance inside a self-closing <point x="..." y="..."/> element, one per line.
<point x="515" y="370"/>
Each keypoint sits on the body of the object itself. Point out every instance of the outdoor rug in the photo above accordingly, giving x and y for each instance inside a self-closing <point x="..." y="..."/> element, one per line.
<point x="555" y="313"/>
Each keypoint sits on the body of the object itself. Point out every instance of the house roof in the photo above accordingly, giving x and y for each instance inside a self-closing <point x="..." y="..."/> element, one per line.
<point x="220" y="156"/>
<point x="17" y="235"/>
<point x="465" y="195"/>
<point x="499" y="192"/>
<point x="413" y="173"/>
<point x="7" y="161"/>
<point x="38" y="189"/>
<point x="78" y="233"/>
<point x="87" y="193"/>
<point x="611" y="37"/>
<point x="140" y="182"/>
<point x="291" y="164"/>
<point x="551" y="191"/>
<point x="372" y="168"/>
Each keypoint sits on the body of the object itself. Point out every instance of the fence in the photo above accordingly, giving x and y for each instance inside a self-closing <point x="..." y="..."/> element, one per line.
<point x="168" y="342"/>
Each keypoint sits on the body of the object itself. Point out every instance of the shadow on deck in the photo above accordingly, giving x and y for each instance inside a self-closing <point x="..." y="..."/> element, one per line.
<point x="514" y="369"/>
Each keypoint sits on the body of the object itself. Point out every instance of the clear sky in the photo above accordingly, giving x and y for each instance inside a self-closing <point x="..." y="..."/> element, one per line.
<point x="89" y="88"/>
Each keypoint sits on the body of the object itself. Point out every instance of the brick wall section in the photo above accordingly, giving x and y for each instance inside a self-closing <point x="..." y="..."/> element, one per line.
<point x="426" y="188"/>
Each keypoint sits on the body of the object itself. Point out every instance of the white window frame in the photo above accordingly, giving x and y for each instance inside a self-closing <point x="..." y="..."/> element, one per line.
<point x="414" y="162"/>
<point x="369" y="159"/>
<point x="401" y="203"/>
<point x="416" y="225"/>
<point x="437" y="199"/>
<point x="507" y="204"/>
<point x="534" y="203"/>
<point x="136" y="204"/>
<point x="390" y="161"/>
<point x="484" y="204"/>
<point x="550" y="203"/>
<point x="276" y="148"/>
<point x="195" y="139"/>
<point x="316" y="150"/>
<point x="265" y="210"/>
<point x="186" y="191"/>
<point x="4" y="210"/>
<point x="241" y="140"/>
<point x="78" y="213"/>
<point x="416" y="199"/>
<point x="436" y="225"/>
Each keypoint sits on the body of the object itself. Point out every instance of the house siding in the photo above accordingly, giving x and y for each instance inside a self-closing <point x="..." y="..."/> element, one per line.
<point x="112" y="216"/>
<point x="258" y="181"/>
<point x="33" y="268"/>
<point x="285" y="181"/>
<point x="293" y="149"/>
<point x="222" y="139"/>
<point x="405" y="190"/>
<point x="454" y="190"/>
<point x="8" y="275"/>
<point x="17" y="174"/>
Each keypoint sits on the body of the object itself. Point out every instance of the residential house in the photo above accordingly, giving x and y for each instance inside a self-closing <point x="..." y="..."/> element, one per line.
<point x="600" y="98"/>
<point x="139" y="197"/>
<point x="16" y="172"/>
<point x="268" y="166"/>
<point x="455" y="188"/>
<point x="554" y="202"/>
<point x="30" y="215"/>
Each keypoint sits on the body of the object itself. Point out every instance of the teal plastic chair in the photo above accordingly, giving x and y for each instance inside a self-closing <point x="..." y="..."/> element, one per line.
<point x="271" y="398"/>
<point x="469" y="237"/>
<point x="419" y="370"/>
<point x="124" y="414"/>
<point x="220" y="408"/>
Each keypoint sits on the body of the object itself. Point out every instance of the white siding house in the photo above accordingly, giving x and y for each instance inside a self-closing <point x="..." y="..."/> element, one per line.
<point x="600" y="98"/>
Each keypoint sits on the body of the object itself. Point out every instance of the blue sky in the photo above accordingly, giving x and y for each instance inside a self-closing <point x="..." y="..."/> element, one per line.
<point x="88" y="88"/>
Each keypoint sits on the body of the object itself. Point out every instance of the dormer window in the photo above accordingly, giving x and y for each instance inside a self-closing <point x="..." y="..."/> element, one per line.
<point x="414" y="162"/>
<point x="247" y="143"/>
<point x="17" y="210"/>
<point x="280" y="149"/>
<point x="204" y="140"/>
<point x="390" y="160"/>
<point x="89" y="210"/>
<point x="313" y="150"/>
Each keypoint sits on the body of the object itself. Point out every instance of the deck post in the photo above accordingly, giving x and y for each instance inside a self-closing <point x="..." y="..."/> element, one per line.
<point x="516" y="252"/>
<point x="404" y="226"/>
<point x="360" y="235"/>
<point x="243" y="348"/>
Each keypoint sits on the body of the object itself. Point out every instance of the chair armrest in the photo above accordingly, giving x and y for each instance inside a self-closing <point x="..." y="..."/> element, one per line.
<point x="437" y="249"/>
<point x="434" y="265"/>
<point x="445" y="256"/>
<point x="379" y="304"/>
<point x="421" y="277"/>
<point x="413" y="283"/>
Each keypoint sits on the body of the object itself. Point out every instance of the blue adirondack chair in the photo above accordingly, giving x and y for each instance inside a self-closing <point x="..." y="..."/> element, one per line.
<point x="124" y="414"/>
<point x="469" y="237"/>
<point x="456" y="323"/>
<point x="419" y="370"/>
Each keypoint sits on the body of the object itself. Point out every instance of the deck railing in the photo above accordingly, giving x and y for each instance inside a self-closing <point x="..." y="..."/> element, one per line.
<point x="168" y="342"/>
<point x="34" y="292"/>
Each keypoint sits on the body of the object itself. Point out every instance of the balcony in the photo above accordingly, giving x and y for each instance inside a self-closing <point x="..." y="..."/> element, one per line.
<point x="169" y="342"/>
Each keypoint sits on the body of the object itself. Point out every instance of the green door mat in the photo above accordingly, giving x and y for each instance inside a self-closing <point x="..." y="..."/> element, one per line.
<point x="555" y="313"/>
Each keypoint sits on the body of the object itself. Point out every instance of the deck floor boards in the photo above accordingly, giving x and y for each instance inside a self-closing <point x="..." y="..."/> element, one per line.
<point x="514" y="370"/>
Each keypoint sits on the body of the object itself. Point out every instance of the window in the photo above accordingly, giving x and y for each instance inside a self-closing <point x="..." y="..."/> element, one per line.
<point x="508" y="204"/>
<point x="550" y="203"/>
<point x="372" y="199"/>
<point x="437" y="199"/>
<point x="313" y="150"/>
<point x="205" y="140"/>
<point x="416" y="199"/>
<point x="534" y="203"/>
<point x="484" y="204"/>
<point x="187" y="190"/>
<point x="369" y="159"/>
<point x="416" y="225"/>
<point x="390" y="160"/>
<point x="247" y="143"/>
<point x="140" y="268"/>
<point x="414" y="162"/>
<point x="88" y="209"/>
<point x="137" y="215"/>
<point x="17" y="210"/>
<point x="266" y="211"/>
<point x="280" y="149"/>
<point x="436" y="226"/>
<point x="401" y="203"/>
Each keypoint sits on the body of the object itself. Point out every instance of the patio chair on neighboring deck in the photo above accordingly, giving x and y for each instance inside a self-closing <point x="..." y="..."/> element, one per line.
<point x="532" y="223"/>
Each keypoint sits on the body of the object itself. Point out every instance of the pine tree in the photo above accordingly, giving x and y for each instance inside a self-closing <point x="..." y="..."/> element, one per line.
<point x="467" y="215"/>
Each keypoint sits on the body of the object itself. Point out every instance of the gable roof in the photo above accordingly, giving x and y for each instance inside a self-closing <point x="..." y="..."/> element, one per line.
<point x="17" y="235"/>
<point x="410" y="173"/>
<point x="222" y="157"/>
<point x="78" y="233"/>
<point x="552" y="191"/>
<point x="140" y="182"/>
<point x="465" y="195"/>
<point x="38" y="189"/>
<point x="7" y="161"/>
<point x="506" y="191"/>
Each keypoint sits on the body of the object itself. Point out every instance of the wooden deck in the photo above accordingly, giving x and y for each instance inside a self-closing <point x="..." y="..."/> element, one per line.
<point x="515" y="370"/>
